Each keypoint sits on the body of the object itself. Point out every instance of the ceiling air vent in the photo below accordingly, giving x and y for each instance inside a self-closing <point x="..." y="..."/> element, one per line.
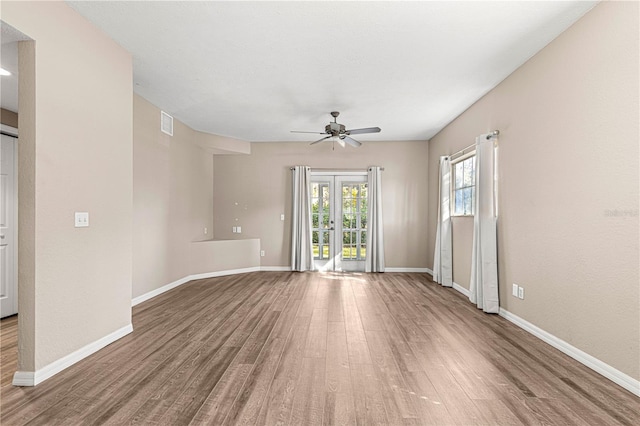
<point x="166" y="123"/>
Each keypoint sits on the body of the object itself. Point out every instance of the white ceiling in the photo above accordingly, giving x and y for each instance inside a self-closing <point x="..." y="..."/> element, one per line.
<point x="9" y="38"/>
<point x="9" y="84"/>
<point x="256" y="70"/>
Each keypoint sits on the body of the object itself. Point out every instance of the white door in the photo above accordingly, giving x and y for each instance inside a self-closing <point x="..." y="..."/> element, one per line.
<point x="351" y="230"/>
<point x="8" y="192"/>
<point x="339" y="221"/>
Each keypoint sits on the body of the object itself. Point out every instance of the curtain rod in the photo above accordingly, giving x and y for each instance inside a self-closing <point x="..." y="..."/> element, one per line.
<point x="338" y="170"/>
<point x="489" y="136"/>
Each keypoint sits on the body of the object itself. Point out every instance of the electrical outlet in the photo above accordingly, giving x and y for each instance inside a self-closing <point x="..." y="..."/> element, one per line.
<point x="521" y="293"/>
<point x="262" y="253"/>
<point x="282" y="216"/>
<point x="206" y="231"/>
<point x="514" y="290"/>
<point x="239" y="229"/>
<point x="235" y="229"/>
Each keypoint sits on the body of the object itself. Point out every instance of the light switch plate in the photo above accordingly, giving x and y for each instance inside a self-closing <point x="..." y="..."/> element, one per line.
<point x="282" y="216"/>
<point x="521" y="293"/>
<point x="239" y="229"/>
<point x="514" y="290"/>
<point x="81" y="219"/>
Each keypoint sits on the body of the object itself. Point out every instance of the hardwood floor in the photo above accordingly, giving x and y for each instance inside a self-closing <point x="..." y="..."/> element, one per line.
<point x="8" y="351"/>
<point x="308" y="348"/>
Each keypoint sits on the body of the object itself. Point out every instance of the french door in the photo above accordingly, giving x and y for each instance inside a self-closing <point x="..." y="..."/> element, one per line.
<point x="339" y="221"/>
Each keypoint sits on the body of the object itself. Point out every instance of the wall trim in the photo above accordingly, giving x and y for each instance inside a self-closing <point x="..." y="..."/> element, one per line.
<point x="461" y="289"/>
<point x="32" y="378"/>
<point x="223" y="273"/>
<point x="455" y="285"/>
<point x="417" y="270"/>
<point x="600" y="367"/>
<point x="158" y="291"/>
<point x="275" y="268"/>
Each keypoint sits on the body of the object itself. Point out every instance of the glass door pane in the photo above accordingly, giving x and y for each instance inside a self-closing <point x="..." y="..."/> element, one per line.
<point x="339" y="222"/>
<point x="322" y="222"/>
<point x="351" y="246"/>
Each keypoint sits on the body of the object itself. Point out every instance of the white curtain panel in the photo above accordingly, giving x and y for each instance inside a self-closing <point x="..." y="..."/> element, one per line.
<point x="484" y="258"/>
<point x="375" y="238"/>
<point x="442" y="259"/>
<point x="301" y="250"/>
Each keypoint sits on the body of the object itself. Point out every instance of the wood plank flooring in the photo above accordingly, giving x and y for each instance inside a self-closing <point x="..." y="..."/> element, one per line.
<point x="280" y="348"/>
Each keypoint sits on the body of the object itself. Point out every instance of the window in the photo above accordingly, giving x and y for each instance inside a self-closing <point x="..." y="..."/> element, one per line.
<point x="464" y="188"/>
<point x="320" y="224"/>
<point x="339" y="221"/>
<point x="354" y="221"/>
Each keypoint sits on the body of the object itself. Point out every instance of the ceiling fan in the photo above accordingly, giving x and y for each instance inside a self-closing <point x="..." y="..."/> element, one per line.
<point x="338" y="132"/>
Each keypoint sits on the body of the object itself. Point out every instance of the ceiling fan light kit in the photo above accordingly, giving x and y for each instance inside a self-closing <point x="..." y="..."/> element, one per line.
<point x="338" y="133"/>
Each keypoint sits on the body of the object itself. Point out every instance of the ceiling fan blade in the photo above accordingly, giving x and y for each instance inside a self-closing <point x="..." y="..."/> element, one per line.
<point x="351" y="141"/>
<point x="365" y="130"/>
<point x="320" y="140"/>
<point x="315" y="133"/>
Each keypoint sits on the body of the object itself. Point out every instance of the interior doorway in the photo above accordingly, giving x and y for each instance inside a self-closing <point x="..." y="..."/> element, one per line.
<point x="9" y="101"/>
<point x="8" y="226"/>
<point x="339" y="204"/>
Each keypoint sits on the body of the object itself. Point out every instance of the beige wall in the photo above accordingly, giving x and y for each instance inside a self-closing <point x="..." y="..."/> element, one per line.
<point x="75" y="154"/>
<point x="255" y="189"/>
<point x="224" y="255"/>
<point x="568" y="155"/>
<point x="172" y="199"/>
<point x="9" y="118"/>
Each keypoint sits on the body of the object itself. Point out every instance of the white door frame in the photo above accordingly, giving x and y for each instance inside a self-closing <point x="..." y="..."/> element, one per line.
<point x="347" y="265"/>
<point x="335" y="180"/>
<point x="13" y="133"/>
<point x="328" y="263"/>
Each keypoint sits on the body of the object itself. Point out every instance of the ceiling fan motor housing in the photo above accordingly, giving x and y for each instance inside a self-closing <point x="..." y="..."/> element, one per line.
<point x="335" y="129"/>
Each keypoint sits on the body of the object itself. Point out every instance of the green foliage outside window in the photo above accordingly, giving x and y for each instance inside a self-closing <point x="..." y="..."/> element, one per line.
<point x="354" y="220"/>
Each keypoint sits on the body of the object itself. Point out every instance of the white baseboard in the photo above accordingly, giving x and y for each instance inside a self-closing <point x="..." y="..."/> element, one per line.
<point x="600" y="367"/>
<point x="461" y="289"/>
<point x="223" y="273"/>
<point x="32" y="378"/>
<point x="275" y="268"/>
<point x="416" y="270"/>
<point x="158" y="291"/>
